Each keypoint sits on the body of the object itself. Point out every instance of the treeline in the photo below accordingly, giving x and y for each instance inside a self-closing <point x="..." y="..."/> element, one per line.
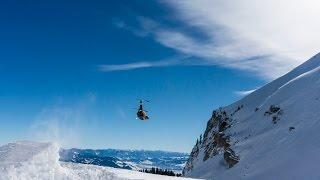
<point x="165" y="172"/>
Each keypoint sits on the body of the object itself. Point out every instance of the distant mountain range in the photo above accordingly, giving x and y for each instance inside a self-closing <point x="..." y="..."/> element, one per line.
<point x="24" y="160"/>
<point x="126" y="159"/>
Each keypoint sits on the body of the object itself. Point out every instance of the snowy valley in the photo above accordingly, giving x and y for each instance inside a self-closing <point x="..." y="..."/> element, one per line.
<point x="126" y="159"/>
<point x="25" y="160"/>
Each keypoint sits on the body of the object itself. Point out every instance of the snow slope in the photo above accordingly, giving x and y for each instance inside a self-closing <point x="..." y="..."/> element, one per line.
<point x="24" y="160"/>
<point x="265" y="142"/>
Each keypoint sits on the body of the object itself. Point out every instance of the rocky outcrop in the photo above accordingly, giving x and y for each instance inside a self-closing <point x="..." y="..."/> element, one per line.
<point x="275" y="112"/>
<point x="216" y="141"/>
<point x="230" y="157"/>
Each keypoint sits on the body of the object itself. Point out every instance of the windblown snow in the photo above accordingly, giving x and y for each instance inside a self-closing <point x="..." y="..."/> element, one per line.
<point x="273" y="133"/>
<point x="25" y="160"/>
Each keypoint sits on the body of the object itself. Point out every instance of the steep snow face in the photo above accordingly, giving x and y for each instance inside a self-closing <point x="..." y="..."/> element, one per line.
<point x="26" y="160"/>
<point x="272" y="133"/>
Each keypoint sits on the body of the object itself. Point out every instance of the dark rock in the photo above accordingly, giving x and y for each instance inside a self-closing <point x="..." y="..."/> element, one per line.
<point x="272" y="109"/>
<point x="230" y="157"/>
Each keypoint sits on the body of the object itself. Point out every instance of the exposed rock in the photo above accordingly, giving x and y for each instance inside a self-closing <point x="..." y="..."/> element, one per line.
<point x="216" y="140"/>
<point x="276" y="112"/>
<point x="272" y="109"/>
<point x="230" y="157"/>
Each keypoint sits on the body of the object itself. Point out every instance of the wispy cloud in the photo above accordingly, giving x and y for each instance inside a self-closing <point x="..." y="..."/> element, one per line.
<point x="241" y="29"/>
<point x="265" y="37"/>
<point x="234" y="54"/>
<point x="123" y="25"/>
<point x="143" y="64"/>
<point x="245" y="92"/>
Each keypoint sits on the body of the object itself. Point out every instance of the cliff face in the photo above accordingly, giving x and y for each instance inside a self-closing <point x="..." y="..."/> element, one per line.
<point x="216" y="141"/>
<point x="270" y="134"/>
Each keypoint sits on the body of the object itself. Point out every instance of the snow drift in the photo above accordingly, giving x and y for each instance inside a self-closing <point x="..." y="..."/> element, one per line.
<point x="24" y="160"/>
<point x="273" y="133"/>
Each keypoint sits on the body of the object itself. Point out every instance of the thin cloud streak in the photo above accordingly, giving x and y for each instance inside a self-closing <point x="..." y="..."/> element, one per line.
<point x="235" y="55"/>
<point x="244" y="93"/>
<point x="241" y="29"/>
<point x="281" y="34"/>
<point x="142" y="64"/>
<point x="124" y="67"/>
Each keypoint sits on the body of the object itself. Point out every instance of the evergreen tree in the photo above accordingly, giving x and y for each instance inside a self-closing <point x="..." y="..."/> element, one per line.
<point x="160" y="171"/>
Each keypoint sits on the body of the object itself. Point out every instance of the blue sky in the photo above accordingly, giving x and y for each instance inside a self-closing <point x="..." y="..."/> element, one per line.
<point x="72" y="71"/>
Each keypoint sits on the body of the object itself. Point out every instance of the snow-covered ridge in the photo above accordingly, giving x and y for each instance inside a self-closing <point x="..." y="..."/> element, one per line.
<point x="272" y="133"/>
<point x="25" y="160"/>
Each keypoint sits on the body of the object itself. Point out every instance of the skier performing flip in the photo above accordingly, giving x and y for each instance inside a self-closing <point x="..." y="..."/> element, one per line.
<point x="142" y="114"/>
